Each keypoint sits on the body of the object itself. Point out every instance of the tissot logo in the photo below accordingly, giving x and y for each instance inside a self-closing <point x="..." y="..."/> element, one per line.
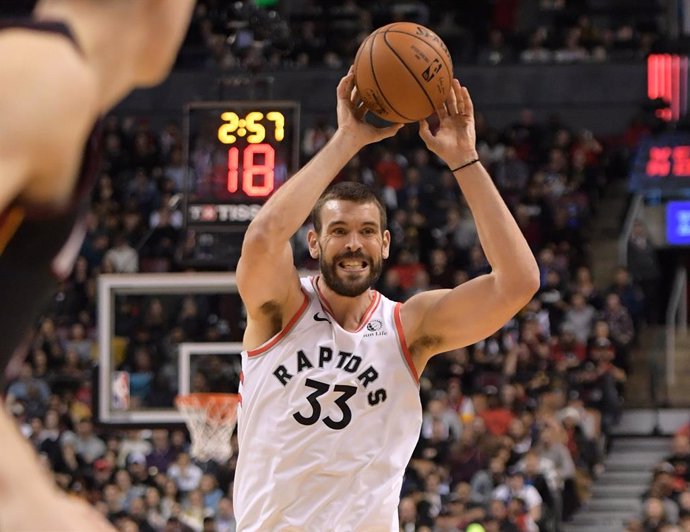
<point x="319" y="317"/>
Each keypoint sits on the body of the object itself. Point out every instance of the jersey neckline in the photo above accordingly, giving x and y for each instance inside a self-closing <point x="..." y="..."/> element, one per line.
<point x="373" y="304"/>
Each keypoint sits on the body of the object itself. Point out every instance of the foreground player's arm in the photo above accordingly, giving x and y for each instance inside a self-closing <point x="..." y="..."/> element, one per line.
<point x="45" y="115"/>
<point x="266" y="275"/>
<point x="441" y="320"/>
<point x="29" y="499"/>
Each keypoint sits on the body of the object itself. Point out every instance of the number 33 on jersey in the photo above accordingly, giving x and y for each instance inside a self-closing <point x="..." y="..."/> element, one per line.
<point x="329" y="397"/>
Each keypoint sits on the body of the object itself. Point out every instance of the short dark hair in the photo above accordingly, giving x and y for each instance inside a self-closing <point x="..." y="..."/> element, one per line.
<point x="348" y="191"/>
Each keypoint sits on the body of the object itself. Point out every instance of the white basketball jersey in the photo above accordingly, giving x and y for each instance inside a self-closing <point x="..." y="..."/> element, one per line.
<point x="328" y="422"/>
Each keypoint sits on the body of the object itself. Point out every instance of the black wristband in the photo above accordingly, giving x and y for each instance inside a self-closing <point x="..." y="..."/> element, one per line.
<point x="464" y="165"/>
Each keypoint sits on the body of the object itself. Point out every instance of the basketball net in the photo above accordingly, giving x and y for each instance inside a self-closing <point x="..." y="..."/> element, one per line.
<point x="210" y="418"/>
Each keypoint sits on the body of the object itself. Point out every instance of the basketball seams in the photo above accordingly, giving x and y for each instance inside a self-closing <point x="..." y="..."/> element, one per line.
<point x="373" y="74"/>
<point x="441" y="55"/>
<point x="385" y="82"/>
<point x="428" y="97"/>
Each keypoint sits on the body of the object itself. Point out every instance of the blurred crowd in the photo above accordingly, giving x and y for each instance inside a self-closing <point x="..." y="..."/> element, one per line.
<point x="299" y="34"/>
<point x="515" y="427"/>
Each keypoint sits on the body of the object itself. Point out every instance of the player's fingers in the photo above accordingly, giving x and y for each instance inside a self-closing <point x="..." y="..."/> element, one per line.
<point x="346" y="84"/>
<point x="456" y="90"/>
<point x="361" y="110"/>
<point x="453" y="103"/>
<point x="424" y="131"/>
<point x="354" y="96"/>
<point x="442" y="111"/>
<point x="389" y="131"/>
<point x="468" y="106"/>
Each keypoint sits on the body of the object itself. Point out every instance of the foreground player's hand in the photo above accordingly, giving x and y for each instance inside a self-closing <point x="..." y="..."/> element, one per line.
<point x="351" y="113"/>
<point x="456" y="138"/>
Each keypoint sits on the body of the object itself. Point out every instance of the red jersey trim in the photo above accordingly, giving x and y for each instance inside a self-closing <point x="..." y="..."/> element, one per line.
<point x="367" y="313"/>
<point x="278" y="337"/>
<point x="403" y="343"/>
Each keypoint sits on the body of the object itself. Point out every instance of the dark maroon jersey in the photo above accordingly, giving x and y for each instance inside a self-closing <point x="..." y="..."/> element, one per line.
<point x="38" y="246"/>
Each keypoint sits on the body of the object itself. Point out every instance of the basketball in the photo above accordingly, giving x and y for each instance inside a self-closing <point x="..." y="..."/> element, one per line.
<point x="403" y="72"/>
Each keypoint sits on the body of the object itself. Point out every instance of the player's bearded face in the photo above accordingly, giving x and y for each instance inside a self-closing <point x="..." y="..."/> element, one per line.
<point x="350" y="273"/>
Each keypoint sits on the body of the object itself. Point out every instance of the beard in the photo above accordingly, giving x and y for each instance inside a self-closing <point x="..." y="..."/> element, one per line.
<point x="349" y="284"/>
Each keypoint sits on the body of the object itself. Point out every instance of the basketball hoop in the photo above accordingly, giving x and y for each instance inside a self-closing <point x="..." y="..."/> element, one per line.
<point x="211" y="419"/>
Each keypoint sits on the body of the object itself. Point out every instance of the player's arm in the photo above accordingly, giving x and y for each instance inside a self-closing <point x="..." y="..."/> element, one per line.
<point x="46" y="111"/>
<point x="441" y="320"/>
<point x="266" y="275"/>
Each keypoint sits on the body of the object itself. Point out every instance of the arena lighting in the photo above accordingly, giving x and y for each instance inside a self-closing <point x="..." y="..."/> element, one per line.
<point x="667" y="79"/>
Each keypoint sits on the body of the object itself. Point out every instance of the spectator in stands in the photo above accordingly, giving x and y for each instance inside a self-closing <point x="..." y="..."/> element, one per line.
<point x="28" y="390"/>
<point x="496" y="416"/>
<point x="621" y="329"/>
<point x="132" y="443"/>
<point x="86" y="444"/>
<point x="654" y="517"/>
<point x="185" y="473"/>
<point x="644" y="267"/>
<point x="551" y="447"/>
<point x="515" y="488"/>
<point x="680" y="457"/>
<point x="498" y="519"/>
<point x="225" y="518"/>
<point x="161" y="455"/>
<point x="630" y="294"/>
<point x="536" y="51"/>
<point x="122" y="257"/>
<point x="584" y="284"/>
<point x="193" y="510"/>
<point x="138" y="513"/>
<point x="485" y="481"/>
<point x="212" y="494"/>
<point x="408" y="515"/>
<point x="315" y="137"/>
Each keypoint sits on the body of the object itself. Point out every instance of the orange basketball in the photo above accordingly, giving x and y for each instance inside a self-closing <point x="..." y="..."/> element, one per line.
<point x="403" y="72"/>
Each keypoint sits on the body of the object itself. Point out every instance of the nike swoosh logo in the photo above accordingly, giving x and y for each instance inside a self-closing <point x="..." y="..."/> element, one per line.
<point x="317" y="317"/>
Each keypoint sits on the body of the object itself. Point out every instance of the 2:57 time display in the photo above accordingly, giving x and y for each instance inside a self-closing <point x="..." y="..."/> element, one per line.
<point x="258" y="158"/>
<point x="238" y="153"/>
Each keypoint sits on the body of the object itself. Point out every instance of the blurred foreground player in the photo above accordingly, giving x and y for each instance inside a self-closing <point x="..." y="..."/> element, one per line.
<point x="330" y="410"/>
<point x="61" y="71"/>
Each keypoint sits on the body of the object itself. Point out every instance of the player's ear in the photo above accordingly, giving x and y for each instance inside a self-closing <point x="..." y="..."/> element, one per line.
<point x="313" y="242"/>
<point x="386" y="244"/>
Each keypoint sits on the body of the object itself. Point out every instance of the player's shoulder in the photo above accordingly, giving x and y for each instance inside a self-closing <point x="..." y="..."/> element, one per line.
<point x="48" y="73"/>
<point x="48" y="104"/>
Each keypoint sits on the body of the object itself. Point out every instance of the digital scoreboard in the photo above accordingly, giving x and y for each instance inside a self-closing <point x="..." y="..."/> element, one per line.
<point x="662" y="163"/>
<point x="237" y="154"/>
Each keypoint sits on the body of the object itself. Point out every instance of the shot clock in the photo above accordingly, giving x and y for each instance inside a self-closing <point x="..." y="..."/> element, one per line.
<point x="238" y="153"/>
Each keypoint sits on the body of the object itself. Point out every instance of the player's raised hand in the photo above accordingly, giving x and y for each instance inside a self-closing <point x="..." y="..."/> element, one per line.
<point x="352" y="112"/>
<point x="456" y="138"/>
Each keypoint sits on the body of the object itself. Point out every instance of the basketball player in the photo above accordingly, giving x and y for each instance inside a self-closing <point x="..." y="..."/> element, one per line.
<point x="330" y="410"/>
<point x="61" y="70"/>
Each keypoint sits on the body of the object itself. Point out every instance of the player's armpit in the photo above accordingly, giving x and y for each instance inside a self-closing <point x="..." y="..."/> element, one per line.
<point x="267" y="279"/>
<point x="442" y="320"/>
